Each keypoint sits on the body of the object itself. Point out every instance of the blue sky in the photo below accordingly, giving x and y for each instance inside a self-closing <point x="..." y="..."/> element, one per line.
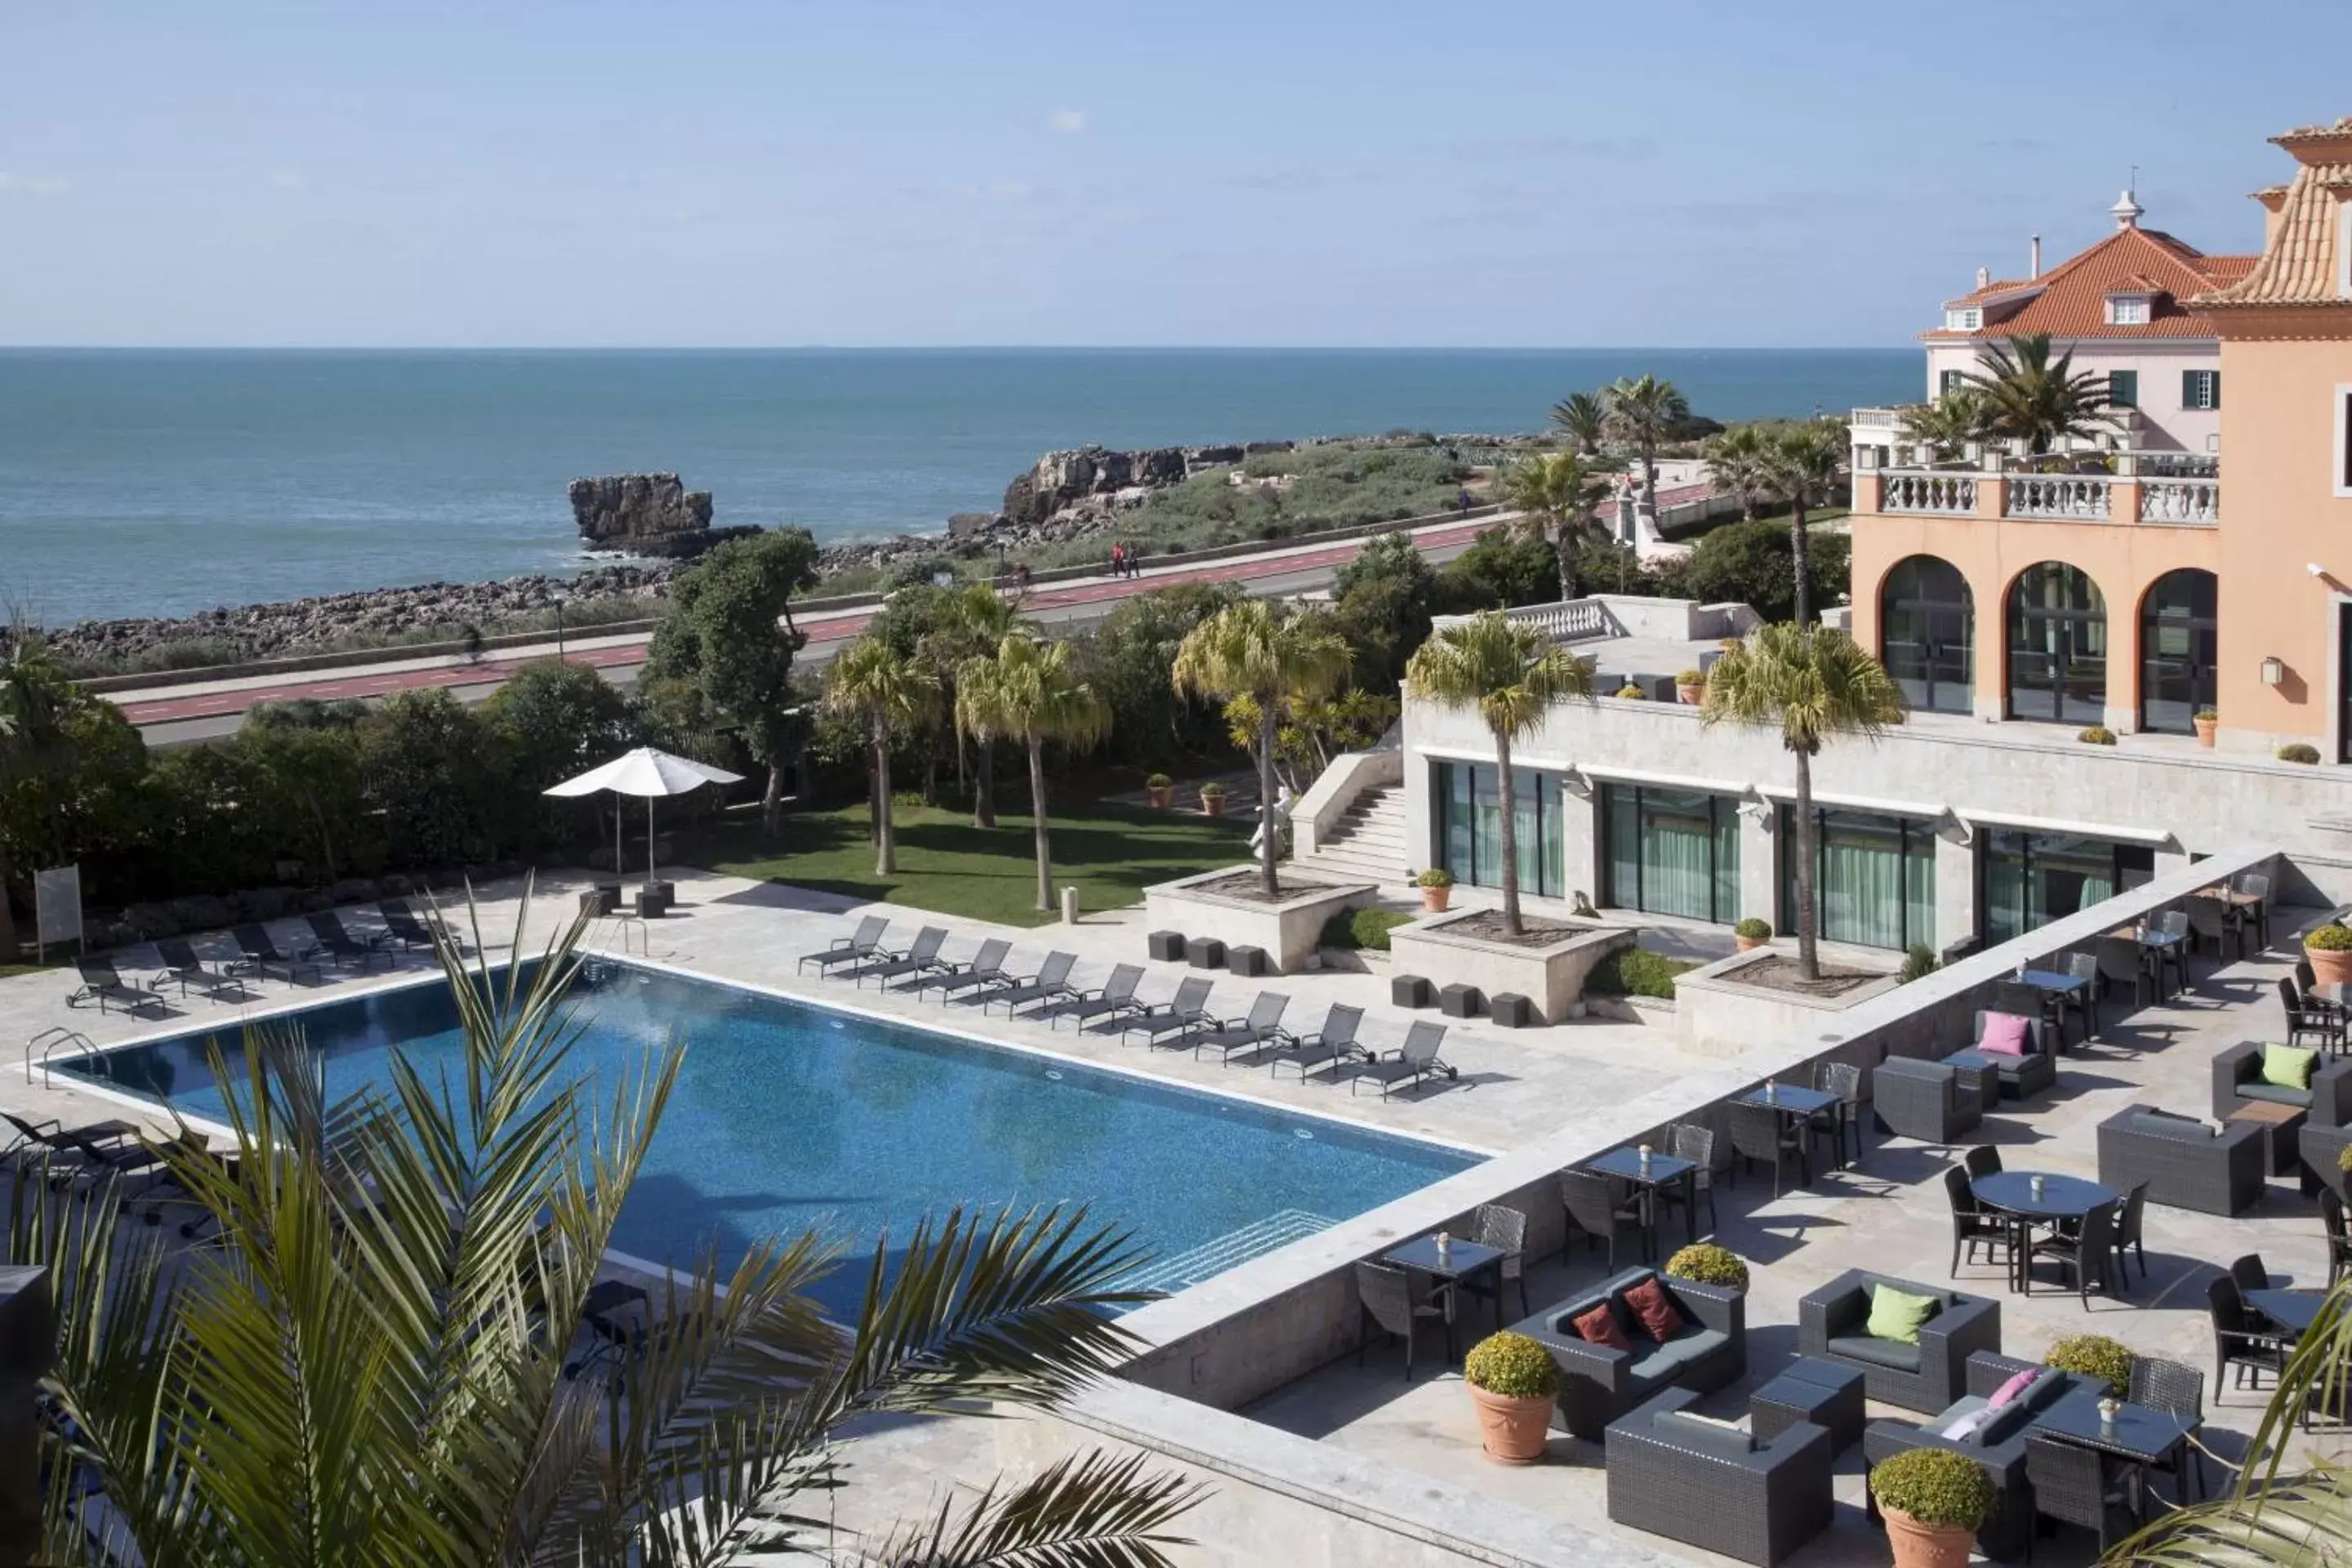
<point x="873" y="172"/>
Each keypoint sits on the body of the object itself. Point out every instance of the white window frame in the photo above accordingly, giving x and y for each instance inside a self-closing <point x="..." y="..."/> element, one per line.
<point x="2118" y="303"/>
<point x="2339" y="481"/>
<point x="1969" y="319"/>
<point x="2208" y="407"/>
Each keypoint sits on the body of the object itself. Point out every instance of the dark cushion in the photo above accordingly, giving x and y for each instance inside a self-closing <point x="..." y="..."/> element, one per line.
<point x="1651" y="1308"/>
<point x="1678" y="1354"/>
<point x="2277" y="1094"/>
<point x="2006" y="1422"/>
<point x="1877" y="1353"/>
<point x="1599" y="1326"/>
<point x="1705" y="1436"/>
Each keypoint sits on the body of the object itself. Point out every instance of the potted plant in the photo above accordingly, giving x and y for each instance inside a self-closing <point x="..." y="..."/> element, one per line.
<point x="2297" y="752"/>
<point x="1705" y="1263"/>
<point x="1161" y="789"/>
<point x="1935" y="1501"/>
<point x="1752" y="933"/>
<point x="1629" y="692"/>
<point x="2096" y="1357"/>
<point x="1213" y="798"/>
<point x="2207" y="722"/>
<point x="2329" y="947"/>
<point x="1436" y="886"/>
<point x="1690" y="688"/>
<point x="2097" y="735"/>
<point x="1513" y="1383"/>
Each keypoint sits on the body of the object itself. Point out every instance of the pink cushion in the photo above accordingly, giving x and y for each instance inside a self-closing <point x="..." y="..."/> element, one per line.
<point x="2004" y="1035"/>
<point x="2012" y="1389"/>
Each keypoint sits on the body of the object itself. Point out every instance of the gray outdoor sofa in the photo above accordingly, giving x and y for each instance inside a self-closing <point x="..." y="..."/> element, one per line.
<point x="2021" y="1077"/>
<point x="1935" y="1102"/>
<point x="1925" y="1376"/>
<point x="2185" y="1163"/>
<point x="1598" y="1385"/>
<point x="1999" y="1446"/>
<point x="1718" y="1488"/>
<point x="2238" y="1081"/>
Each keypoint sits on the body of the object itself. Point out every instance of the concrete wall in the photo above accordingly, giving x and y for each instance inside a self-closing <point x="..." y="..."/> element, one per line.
<point x="1324" y="807"/>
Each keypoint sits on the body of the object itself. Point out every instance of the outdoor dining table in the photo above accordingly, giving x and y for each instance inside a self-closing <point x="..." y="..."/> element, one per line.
<point x="2292" y="1312"/>
<point x="2155" y="947"/>
<point x="1796" y="1102"/>
<point x="1663" y="1170"/>
<point x="2142" y="1437"/>
<point x="1459" y="1263"/>
<point x="2061" y="1198"/>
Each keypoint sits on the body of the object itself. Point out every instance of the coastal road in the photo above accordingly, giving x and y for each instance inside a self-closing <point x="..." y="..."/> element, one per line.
<point x="183" y="715"/>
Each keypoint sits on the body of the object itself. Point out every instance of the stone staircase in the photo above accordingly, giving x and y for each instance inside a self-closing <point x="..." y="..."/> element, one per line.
<point x="1370" y="843"/>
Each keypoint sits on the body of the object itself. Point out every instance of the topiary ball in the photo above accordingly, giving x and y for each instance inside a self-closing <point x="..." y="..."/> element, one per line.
<point x="2093" y="1356"/>
<point x="1934" y="1486"/>
<point x="1512" y="1365"/>
<point x="1708" y="1263"/>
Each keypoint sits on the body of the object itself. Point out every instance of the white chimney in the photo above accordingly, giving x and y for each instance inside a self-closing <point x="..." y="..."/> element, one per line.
<point x="1984" y="276"/>
<point x="2037" y="257"/>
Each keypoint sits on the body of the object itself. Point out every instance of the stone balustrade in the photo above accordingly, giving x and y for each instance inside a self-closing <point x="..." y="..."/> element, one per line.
<point x="1943" y="495"/>
<point x="2192" y="501"/>
<point x="2074" y="497"/>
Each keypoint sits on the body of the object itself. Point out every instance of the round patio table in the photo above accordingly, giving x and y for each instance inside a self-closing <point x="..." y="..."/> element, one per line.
<point x="2061" y="1198"/>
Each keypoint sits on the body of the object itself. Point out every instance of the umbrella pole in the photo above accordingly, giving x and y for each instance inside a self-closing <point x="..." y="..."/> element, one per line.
<point x="649" y="841"/>
<point x="618" y="873"/>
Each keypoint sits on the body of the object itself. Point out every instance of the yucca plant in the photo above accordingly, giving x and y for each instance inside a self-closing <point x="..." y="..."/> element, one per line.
<point x="369" y="1363"/>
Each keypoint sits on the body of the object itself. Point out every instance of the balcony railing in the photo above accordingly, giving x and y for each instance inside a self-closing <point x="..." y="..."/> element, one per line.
<point x="1944" y="495"/>
<point x="2180" y="500"/>
<point x="1571" y="621"/>
<point x="2064" y="496"/>
<point x="1880" y="418"/>
<point x="2136" y="494"/>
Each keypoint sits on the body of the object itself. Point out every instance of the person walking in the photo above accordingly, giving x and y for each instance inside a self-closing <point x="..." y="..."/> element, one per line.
<point x="1117" y="561"/>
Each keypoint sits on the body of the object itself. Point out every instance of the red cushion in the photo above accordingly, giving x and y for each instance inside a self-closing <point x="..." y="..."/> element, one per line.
<point x="1599" y="1327"/>
<point x="1650" y="1307"/>
<point x="2004" y="1035"/>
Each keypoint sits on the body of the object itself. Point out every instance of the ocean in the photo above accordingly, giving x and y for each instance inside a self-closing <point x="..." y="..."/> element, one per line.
<point x="145" y="484"/>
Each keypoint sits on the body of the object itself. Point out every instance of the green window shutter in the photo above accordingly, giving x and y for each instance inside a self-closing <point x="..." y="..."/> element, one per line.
<point x="2122" y="388"/>
<point x="2188" y="389"/>
<point x="2213" y="395"/>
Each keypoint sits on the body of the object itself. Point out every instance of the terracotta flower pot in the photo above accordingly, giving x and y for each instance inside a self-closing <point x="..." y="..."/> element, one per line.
<point x="2205" y="730"/>
<point x="1690" y="695"/>
<point x="1432" y="899"/>
<point x="1161" y="795"/>
<point x="1212" y="805"/>
<point x="1918" y="1545"/>
<point x="2329" y="968"/>
<point x="1512" y="1428"/>
<point x="1750" y="943"/>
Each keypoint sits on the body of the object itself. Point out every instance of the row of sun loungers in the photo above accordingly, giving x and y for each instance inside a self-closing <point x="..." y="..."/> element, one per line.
<point x="1258" y="1037"/>
<point x="260" y="958"/>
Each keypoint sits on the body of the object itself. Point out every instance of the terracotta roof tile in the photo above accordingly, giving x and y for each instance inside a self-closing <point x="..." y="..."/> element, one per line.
<point x="2073" y="300"/>
<point x="2299" y="266"/>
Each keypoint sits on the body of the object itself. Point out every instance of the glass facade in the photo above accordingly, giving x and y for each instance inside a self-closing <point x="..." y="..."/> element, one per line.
<point x="2177" y="648"/>
<point x="2033" y="879"/>
<point x="1470" y="827"/>
<point x="1874" y="879"/>
<point x="1671" y="852"/>
<point x="1928" y="635"/>
<point x="2057" y="645"/>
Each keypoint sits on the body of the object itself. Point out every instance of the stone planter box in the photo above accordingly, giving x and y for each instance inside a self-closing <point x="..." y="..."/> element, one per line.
<point x="1551" y="977"/>
<point x="1719" y="1015"/>
<point x="1288" y="930"/>
<point x="1656" y="1012"/>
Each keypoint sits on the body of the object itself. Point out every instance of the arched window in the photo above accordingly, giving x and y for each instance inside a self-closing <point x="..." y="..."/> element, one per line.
<point x="2057" y="645"/>
<point x="2176" y="649"/>
<point x="1927" y="634"/>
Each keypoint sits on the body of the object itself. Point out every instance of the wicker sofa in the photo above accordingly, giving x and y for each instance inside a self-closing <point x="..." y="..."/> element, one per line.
<point x="2022" y="1077"/>
<point x="2322" y="1149"/>
<point x="1932" y="1101"/>
<point x="1999" y="1446"/>
<point x="2237" y="1080"/>
<point x="1598" y="1385"/>
<point x="1926" y="1376"/>
<point x="1717" y="1489"/>
<point x="2186" y="1164"/>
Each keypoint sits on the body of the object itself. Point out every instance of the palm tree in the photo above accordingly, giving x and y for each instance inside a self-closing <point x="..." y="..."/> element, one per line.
<point x="1643" y="414"/>
<point x="973" y="624"/>
<point x="34" y="698"/>
<point x="1030" y="692"/>
<point x="367" y="1364"/>
<point x="1738" y="464"/>
<point x="1945" y="426"/>
<point x="1815" y="684"/>
<point x="2031" y="398"/>
<point x="873" y="684"/>
<point x="1275" y="658"/>
<point x="1559" y="492"/>
<point x="1583" y="419"/>
<point x="1802" y="463"/>
<point x="1513" y="674"/>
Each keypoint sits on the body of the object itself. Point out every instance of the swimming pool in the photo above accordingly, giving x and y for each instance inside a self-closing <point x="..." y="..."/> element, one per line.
<point x="788" y="1116"/>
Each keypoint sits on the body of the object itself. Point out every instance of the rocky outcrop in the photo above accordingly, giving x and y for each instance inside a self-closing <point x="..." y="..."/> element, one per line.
<point x="1064" y="480"/>
<point x="646" y="514"/>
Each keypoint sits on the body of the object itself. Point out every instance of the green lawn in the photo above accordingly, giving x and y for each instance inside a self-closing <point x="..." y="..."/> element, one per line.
<point x="1111" y="852"/>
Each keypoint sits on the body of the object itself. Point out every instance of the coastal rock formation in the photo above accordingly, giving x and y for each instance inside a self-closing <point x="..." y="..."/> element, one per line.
<point x="646" y="514"/>
<point x="1094" y="478"/>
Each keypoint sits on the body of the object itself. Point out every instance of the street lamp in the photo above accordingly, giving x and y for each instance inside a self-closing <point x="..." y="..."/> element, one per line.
<point x="556" y="595"/>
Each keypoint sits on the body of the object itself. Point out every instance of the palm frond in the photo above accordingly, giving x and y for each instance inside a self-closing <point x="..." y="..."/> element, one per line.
<point x="1811" y="682"/>
<point x="1085" y="1510"/>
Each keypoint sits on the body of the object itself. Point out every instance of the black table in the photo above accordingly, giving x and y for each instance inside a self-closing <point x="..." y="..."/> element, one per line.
<point x="2294" y="1311"/>
<point x="1796" y="1102"/>
<point x="2061" y="1198"/>
<point x="1665" y="1170"/>
<point x="1462" y="1262"/>
<point x="2138" y="1434"/>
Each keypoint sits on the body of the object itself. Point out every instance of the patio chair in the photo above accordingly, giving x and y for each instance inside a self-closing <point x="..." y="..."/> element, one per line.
<point x="101" y="983"/>
<point x="1693" y="1142"/>
<point x="261" y="955"/>
<point x="2131" y="1228"/>
<point x="921" y="957"/>
<point x="2256" y="886"/>
<point x="2028" y="1001"/>
<point x="2209" y="925"/>
<point x="2075" y="1485"/>
<point x="1844" y="1080"/>
<point x="1112" y="1000"/>
<point x="2333" y="1221"/>
<point x="342" y="945"/>
<point x="1972" y="1224"/>
<point x="856" y="948"/>
<point x="984" y="969"/>
<point x="1930" y="1101"/>
<point x="1593" y="1205"/>
<point x="1179" y="1015"/>
<point x="410" y="930"/>
<point x="879" y="956"/>
<point x="2085" y="1256"/>
<point x="2179" y="1391"/>
<point x="1388" y="1302"/>
<point x="2318" y="1024"/>
<point x="1408" y="1065"/>
<point x="1761" y="1133"/>
<point x="2238" y="1341"/>
<point x="1051" y="983"/>
<point x="1927" y="1375"/>
<point x="2249" y="1273"/>
<point x="2175" y="955"/>
<point x="1505" y="1228"/>
<point x="1262" y="1028"/>
<point x="182" y="965"/>
<point x="1332" y="1046"/>
<point x="2119" y="960"/>
<point x="2082" y="966"/>
<point x="1984" y="1160"/>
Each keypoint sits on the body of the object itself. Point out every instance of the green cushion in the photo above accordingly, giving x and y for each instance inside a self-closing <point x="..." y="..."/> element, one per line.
<point x="1896" y="1315"/>
<point x="2289" y="1066"/>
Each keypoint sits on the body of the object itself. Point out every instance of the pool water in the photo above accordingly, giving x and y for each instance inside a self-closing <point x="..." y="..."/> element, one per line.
<point x="788" y="1116"/>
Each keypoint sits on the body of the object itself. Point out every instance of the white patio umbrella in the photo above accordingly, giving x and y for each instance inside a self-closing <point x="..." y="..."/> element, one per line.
<point x="650" y="774"/>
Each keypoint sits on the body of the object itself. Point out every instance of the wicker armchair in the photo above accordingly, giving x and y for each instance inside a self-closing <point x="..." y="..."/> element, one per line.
<point x="2021" y="1077"/>
<point x="1930" y="1101"/>
<point x="2322" y="1149"/>
<point x="1925" y="1376"/>
<point x="1716" y="1489"/>
<point x="2075" y="1485"/>
<point x="2186" y="1164"/>
<point x="1598" y="1385"/>
<point x="1760" y="1132"/>
<point x="1998" y="1446"/>
<point x="2237" y="1080"/>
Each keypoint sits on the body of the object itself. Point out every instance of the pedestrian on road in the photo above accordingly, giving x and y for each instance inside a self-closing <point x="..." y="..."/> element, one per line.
<point x="1117" y="561"/>
<point x="473" y="640"/>
<point x="1461" y="502"/>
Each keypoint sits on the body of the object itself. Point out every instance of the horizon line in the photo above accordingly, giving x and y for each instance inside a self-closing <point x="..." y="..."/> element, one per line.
<point x="948" y="347"/>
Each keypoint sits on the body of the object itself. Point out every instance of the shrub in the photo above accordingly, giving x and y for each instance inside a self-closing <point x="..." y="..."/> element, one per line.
<point x="2297" y="752"/>
<point x="2093" y="1356"/>
<point x="2097" y="735"/>
<point x="1691" y="677"/>
<point x="1919" y="961"/>
<point x="1635" y="971"/>
<point x="1158" y="781"/>
<point x="1629" y="692"/>
<point x="1754" y="929"/>
<point x="2333" y="937"/>
<point x="2210" y="715"/>
<point x="1936" y="1487"/>
<point x="1708" y="1264"/>
<point x="2343" y="1158"/>
<point x="1212" y="788"/>
<point x="1350" y="929"/>
<point x="1512" y="1365"/>
<point x="1436" y="877"/>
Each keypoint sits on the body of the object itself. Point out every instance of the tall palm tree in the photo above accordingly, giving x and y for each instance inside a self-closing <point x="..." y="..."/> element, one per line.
<point x="873" y="684"/>
<point x="1739" y="463"/>
<point x="368" y="1365"/>
<point x="1802" y="462"/>
<point x="1643" y="414"/>
<point x="33" y="698"/>
<point x="1815" y="684"/>
<point x="1946" y="425"/>
<point x="1558" y="491"/>
<point x="972" y="622"/>
<point x="1031" y="693"/>
<point x="1278" y="659"/>
<point x="2031" y="397"/>
<point x="1514" y="676"/>
<point x="1583" y="419"/>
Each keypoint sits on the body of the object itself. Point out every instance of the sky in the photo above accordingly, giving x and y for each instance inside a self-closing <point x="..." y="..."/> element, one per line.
<point x="1713" y="173"/>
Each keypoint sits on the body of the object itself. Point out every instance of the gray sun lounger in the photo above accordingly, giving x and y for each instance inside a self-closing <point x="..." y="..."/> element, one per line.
<point x="403" y="925"/>
<point x="855" y="949"/>
<point x="1261" y="1030"/>
<point x="102" y="984"/>
<point x="1050" y="984"/>
<point x="1411" y="1063"/>
<point x="921" y="958"/>
<point x="1113" y="1000"/>
<point x="986" y="969"/>
<point x="343" y="946"/>
<point x="1179" y="1015"/>
<point x="1331" y="1046"/>
<point x="184" y="969"/>
<point x="261" y="952"/>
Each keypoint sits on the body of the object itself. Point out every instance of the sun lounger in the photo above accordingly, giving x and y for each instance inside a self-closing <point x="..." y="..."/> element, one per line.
<point x="986" y="969"/>
<point x="45" y="1138"/>
<point x="76" y="1153"/>
<point x="1114" y="999"/>
<point x="920" y="959"/>
<point x="1254" y="1033"/>
<point x="1050" y="984"/>
<point x="343" y="946"/>
<point x="261" y="952"/>
<point x="855" y="949"/>
<point x="1179" y="1015"/>
<point x="1330" y="1047"/>
<point x="1411" y="1063"/>
<point x="403" y="925"/>
<point x="101" y="983"/>
<point x="182" y="966"/>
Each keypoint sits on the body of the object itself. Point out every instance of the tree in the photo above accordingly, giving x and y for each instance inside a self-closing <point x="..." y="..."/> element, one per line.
<point x="1503" y="569"/>
<point x="33" y="698"/>
<point x="1752" y="563"/>
<point x="1031" y="693"/>
<point x="729" y="631"/>
<point x="434" y="774"/>
<point x="556" y="720"/>
<point x="1583" y="419"/>
<point x="1802" y="463"/>
<point x="973" y="622"/>
<point x="1559" y="492"/>
<point x="1275" y="658"/>
<point x="1514" y="676"/>
<point x="1815" y="684"/>
<point x="1738" y="463"/>
<point x="305" y="763"/>
<point x="1946" y="426"/>
<point x="1128" y="658"/>
<point x="1381" y="602"/>
<point x="359" y="1370"/>
<point x="2031" y="397"/>
<point x="1643" y="414"/>
<point x="888" y="692"/>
